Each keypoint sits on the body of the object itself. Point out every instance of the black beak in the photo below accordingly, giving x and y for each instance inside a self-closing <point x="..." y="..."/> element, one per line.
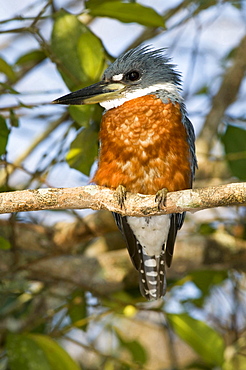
<point x="96" y="93"/>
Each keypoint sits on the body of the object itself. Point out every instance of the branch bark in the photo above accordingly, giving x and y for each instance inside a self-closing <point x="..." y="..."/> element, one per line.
<point x="96" y="197"/>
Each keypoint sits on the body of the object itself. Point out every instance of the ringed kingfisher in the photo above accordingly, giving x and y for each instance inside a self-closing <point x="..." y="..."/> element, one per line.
<point x="147" y="146"/>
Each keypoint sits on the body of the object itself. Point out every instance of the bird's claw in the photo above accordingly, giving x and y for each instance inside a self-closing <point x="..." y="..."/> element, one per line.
<point x="120" y="193"/>
<point x="160" y="198"/>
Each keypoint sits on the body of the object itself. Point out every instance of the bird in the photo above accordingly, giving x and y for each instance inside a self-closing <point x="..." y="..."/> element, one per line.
<point x="147" y="146"/>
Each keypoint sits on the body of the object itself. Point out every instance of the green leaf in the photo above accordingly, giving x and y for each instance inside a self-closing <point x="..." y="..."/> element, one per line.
<point x="4" y="243"/>
<point x="71" y="42"/>
<point x="230" y="55"/>
<point x="57" y="357"/>
<point x="37" y="352"/>
<point x="14" y="120"/>
<point x="83" y="150"/>
<point x="126" y="12"/>
<point x="83" y="114"/>
<point x="238" y="4"/>
<point x="8" y="88"/>
<point x="203" y="90"/>
<point x="204" y="4"/>
<point x="4" y="134"/>
<point x="136" y="350"/>
<point x="206" y="228"/>
<point x="205" y="281"/>
<point x="234" y="141"/>
<point x="33" y="57"/>
<point x="77" y="309"/>
<point x="6" y="69"/>
<point x="196" y="365"/>
<point x="91" y="54"/>
<point x="25" y="354"/>
<point x="204" y="340"/>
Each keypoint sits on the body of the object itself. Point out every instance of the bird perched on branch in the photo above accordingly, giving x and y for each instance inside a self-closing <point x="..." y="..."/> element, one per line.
<point x="146" y="146"/>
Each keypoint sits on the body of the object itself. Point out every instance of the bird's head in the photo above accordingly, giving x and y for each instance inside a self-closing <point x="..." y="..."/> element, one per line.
<point x="138" y="72"/>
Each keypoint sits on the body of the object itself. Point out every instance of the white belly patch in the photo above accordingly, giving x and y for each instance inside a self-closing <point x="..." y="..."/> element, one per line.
<point x="151" y="232"/>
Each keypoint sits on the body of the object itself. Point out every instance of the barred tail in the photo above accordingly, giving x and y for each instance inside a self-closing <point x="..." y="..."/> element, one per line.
<point x="152" y="276"/>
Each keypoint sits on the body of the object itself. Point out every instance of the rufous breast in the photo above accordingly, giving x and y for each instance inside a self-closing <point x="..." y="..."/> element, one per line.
<point x="144" y="147"/>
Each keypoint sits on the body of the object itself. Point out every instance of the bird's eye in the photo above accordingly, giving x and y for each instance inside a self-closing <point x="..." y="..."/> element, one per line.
<point x="133" y="76"/>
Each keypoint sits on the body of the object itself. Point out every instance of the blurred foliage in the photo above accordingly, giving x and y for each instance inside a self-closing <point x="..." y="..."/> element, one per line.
<point x="78" y="53"/>
<point x="37" y="351"/>
<point x="194" y="332"/>
<point x="42" y="320"/>
<point x="83" y="150"/>
<point x="125" y="12"/>
<point x="234" y="140"/>
<point x="4" y="133"/>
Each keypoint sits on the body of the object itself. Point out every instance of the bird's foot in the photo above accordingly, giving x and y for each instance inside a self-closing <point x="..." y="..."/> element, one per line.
<point x="160" y="198"/>
<point x="120" y="193"/>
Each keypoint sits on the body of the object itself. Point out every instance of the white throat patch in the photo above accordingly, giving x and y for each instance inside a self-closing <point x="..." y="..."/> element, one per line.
<point x="129" y="95"/>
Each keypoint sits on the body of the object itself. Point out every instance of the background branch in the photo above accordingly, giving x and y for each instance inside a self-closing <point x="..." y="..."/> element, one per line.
<point x="91" y="254"/>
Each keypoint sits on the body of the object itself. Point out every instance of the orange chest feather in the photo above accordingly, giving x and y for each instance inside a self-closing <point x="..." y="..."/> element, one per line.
<point x="144" y="147"/>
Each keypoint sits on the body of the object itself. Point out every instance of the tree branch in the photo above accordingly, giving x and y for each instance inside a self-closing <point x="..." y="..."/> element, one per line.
<point x="96" y="197"/>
